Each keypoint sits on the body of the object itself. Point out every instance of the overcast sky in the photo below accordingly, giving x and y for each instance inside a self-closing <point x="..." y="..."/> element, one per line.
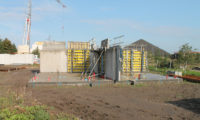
<point x="165" y="23"/>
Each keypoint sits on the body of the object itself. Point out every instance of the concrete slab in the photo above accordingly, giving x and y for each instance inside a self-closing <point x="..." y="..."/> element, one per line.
<point x="64" y="78"/>
<point x="148" y="77"/>
<point x="74" y="79"/>
<point x="145" y="76"/>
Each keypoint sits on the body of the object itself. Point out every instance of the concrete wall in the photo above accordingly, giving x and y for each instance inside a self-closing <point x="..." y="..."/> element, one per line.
<point x="112" y="63"/>
<point x="53" y="45"/>
<point x="53" y="57"/>
<point x="16" y="59"/>
<point x="53" y="61"/>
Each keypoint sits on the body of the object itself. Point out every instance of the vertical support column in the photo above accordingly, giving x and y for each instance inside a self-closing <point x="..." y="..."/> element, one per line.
<point x="122" y="60"/>
<point x="102" y="63"/>
<point x="114" y="64"/>
<point x="126" y="60"/>
<point x="142" y="60"/>
<point x="131" y="67"/>
<point x="72" y="59"/>
<point x="66" y="59"/>
<point x="122" y="57"/>
<point x="85" y="60"/>
<point x="147" y="61"/>
<point x="118" y="64"/>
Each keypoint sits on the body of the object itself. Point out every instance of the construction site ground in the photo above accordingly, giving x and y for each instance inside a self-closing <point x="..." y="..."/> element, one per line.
<point x="158" y="101"/>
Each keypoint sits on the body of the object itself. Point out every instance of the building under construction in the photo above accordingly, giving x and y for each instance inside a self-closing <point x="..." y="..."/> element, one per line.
<point x="80" y="64"/>
<point x="107" y="62"/>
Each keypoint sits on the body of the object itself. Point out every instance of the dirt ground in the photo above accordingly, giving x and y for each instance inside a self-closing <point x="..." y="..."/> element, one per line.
<point x="171" y="101"/>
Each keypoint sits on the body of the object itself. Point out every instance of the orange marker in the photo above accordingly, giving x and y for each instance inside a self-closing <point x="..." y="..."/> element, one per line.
<point x="49" y="79"/>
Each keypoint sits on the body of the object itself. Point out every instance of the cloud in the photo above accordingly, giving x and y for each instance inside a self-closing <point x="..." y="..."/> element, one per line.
<point x="39" y="11"/>
<point x="112" y="24"/>
<point x="144" y="28"/>
<point x="12" y="18"/>
<point x="11" y="14"/>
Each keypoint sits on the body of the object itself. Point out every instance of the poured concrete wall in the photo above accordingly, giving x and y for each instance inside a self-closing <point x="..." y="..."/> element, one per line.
<point x="112" y="63"/>
<point x="17" y="59"/>
<point x="53" y="57"/>
<point x="53" y="45"/>
<point x="53" y="61"/>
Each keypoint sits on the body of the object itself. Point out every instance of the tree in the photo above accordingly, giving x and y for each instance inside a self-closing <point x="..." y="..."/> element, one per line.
<point x="13" y="48"/>
<point x="1" y="47"/>
<point x="197" y="59"/>
<point x="36" y="52"/>
<point x="185" y="55"/>
<point x="7" y="47"/>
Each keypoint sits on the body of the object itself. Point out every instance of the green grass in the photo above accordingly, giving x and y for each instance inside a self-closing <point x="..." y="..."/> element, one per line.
<point x="12" y="108"/>
<point x="163" y="71"/>
<point x="140" y="85"/>
<point x="194" y="73"/>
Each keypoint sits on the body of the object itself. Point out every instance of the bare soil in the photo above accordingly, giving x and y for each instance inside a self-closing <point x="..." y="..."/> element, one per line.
<point x="171" y="101"/>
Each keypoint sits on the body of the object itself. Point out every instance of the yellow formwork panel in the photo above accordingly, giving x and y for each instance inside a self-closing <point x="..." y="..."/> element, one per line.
<point x="78" y="60"/>
<point x="136" y="59"/>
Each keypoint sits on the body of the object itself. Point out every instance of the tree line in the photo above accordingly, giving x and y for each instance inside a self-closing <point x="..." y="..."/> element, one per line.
<point x="186" y="56"/>
<point x="7" y="47"/>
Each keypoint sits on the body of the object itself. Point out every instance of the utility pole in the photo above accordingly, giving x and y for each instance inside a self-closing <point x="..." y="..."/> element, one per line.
<point x="27" y="27"/>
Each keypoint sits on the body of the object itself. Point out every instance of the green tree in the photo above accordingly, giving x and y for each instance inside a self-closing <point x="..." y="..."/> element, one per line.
<point x="1" y="47"/>
<point x="185" y="55"/>
<point x="7" y="47"/>
<point x="36" y="52"/>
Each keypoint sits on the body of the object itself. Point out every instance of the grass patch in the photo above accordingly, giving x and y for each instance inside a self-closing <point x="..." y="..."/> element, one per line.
<point x="163" y="71"/>
<point x="140" y="85"/>
<point x="12" y="108"/>
<point x="194" y="73"/>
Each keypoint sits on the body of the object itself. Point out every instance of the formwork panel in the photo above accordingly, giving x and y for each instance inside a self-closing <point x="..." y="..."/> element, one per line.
<point x="133" y="61"/>
<point x="78" y="60"/>
<point x="78" y="45"/>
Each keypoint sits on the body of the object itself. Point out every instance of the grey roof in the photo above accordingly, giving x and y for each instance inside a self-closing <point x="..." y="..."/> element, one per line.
<point x="148" y="47"/>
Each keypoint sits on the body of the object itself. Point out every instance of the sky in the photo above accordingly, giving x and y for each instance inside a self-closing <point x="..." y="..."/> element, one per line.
<point x="167" y="24"/>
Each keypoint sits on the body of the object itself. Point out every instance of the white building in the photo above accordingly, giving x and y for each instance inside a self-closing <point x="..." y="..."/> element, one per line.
<point x="36" y="45"/>
<point x="23" y="49"/>
<point x="16" y="59"/>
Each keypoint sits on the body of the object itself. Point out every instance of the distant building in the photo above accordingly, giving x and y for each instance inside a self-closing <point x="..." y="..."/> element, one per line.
<point x="142" y="44"/>
<point x="23" y="49"/>
<point x="36" y="45"/>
